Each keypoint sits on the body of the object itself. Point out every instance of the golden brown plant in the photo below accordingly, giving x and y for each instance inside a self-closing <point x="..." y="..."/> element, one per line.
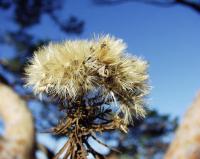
<point x="100" y="85"/>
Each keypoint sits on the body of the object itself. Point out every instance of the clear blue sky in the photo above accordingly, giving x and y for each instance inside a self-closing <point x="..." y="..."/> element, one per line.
<point x="168" y="38"/>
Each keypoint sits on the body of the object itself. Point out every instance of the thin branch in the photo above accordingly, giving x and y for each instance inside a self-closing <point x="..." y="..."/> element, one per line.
<point x="191" y="4"/>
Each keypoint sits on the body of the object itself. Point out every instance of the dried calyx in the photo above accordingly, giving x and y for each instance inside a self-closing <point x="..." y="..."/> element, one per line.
<point x="102" y="86"/>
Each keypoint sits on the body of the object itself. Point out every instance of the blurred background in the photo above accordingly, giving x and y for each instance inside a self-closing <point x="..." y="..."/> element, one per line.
<point x="166" y="33"/>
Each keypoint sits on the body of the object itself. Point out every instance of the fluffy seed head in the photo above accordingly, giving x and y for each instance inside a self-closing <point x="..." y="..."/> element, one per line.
<point x="71" y="69"/>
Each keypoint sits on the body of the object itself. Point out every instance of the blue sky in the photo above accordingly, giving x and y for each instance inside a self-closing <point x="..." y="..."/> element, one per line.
<point x="168" y="38"/>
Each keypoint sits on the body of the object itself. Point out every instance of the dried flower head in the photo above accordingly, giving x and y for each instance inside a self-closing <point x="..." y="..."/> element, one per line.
<point x="101" y="85"/>
<point x="71" y="69"/>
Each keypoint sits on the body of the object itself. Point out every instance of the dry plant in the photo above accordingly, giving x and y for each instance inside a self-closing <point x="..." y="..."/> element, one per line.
<point x="100" y="86"/>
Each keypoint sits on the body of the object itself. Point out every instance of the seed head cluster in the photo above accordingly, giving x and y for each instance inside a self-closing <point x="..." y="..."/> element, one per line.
<point x="102" y="86"/>
<point x="71" y="69"/>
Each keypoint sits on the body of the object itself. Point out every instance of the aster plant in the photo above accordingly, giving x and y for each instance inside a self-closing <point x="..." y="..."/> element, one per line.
<point x="100" y="86"/>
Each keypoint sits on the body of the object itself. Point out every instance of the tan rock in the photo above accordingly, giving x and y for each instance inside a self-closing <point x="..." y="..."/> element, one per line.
<point x="18" y="139"/>
<point x="186" y="144"/>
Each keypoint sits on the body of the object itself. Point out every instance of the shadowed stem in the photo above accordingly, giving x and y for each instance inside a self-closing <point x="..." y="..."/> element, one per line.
<point x="81" y="123"/>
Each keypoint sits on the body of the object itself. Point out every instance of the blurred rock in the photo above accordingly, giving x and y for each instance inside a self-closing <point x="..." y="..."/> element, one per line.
<point x="18" y="139"/>
<point x="186" y="144"/>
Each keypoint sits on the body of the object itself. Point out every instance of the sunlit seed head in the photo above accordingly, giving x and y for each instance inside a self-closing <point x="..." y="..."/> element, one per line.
<point x="70" y="69"/>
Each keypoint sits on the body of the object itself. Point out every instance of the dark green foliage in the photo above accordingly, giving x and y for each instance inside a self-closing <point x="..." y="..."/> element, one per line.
<point x="149" y="137"/>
